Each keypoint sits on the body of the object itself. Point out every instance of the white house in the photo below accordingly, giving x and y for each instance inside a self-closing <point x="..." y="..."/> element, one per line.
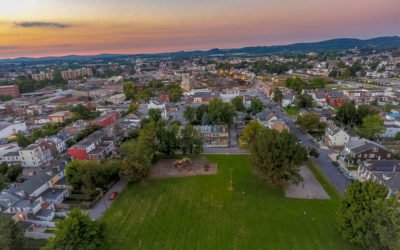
<point x="336" y="137"/>
<point x="31" y="156"/>
<point x="160" y="106"/>
<point x="8" y="129"/>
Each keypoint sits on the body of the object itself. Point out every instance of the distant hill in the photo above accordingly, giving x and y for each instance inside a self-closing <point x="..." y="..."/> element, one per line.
<point x="387" y="42"/>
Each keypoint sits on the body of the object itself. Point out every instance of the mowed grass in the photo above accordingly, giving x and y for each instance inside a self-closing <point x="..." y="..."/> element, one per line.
<point x="201" y="212"/>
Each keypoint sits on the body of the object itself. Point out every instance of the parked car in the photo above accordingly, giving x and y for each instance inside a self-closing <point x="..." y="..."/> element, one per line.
<point x="113" y="195"/>
<point x="335" y="163"/>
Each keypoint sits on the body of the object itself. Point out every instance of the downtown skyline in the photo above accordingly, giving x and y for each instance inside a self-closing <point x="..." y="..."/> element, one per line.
<point x="55" y="28"/>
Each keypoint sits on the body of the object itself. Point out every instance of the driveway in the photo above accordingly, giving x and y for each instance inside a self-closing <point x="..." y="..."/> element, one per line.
<point x="102" y="205"/>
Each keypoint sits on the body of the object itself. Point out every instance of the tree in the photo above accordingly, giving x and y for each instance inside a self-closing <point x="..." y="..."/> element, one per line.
<point x="11" y="234"/>
<point x="77" y="232"/>
<point x="237" y="103"/>
<point x="363" y="111"/>
<point x="295" y="83"/>
<point x="347" y="114"/>
<point x="397" y="137"/>
<point x="250" y="132"/>
<point x="311" y="123"/>
<point x="190" y="114"/>
<point x="304" y="101"/>
<point x="137" y="159"/>
<point x="278" y="155"/>
<point x="203" y="108"/>
<point x="373" y="126"/>
<point x="169" y="141"/>
<point x="313" y="152"/>
<point x="22" y="141"/>
<point x="191" y="140"/>
<point x="3" y="168"/>
<point x="13" y="172"/>
<point x="278" y="95"/>
<point x="256" y="106"/>
<point x="220" y="113"/>
<point x="367" y="218"/>
<point x="317" y="82"/>
<point x="155" y="115"/>
<point x="82" y="112"/>
<point x="129" y="91"/>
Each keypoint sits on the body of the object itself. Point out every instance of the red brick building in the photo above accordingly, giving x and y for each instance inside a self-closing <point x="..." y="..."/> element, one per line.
<point x="11" y="90"/>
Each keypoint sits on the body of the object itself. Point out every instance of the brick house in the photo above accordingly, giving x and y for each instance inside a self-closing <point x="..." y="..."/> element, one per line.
<point x="356" y="151"/>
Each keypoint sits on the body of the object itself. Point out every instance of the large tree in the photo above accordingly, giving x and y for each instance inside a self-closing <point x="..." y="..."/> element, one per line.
<point x="249" y="133"/>
<point x="311" y="123"/>
<point x="129" y="91"/>
<point x="304" y="101"/>
<point x="372" y="126"/>
<point x="237" y="103"/>
<point x="366" y="217"/>
<point x="137" y="159"/>
<point x="155" y="115"/>
<point x="256" y="106"/>
<point x="346" y="114"/>
<point x="278" y="155"/>
<point x="77" y="232"/>
<point x="190" y="114"/>
<point x="278" y="95"/>
<point x="191" y="140"/>
<point x="220" y="113"/>
<point x="11" y="234"/>
<point x="295" y="83"/>
<point x="317" y="82"/>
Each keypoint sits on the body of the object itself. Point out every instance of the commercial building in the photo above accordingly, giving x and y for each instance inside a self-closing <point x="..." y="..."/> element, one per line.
<point x="11" y="90"/>
<point x="76" y="74"/>
<point x="60" y="116"/>
<point x="8" y="129"/>
<point x="215" y="136"/>
<point x="42" y="76"/>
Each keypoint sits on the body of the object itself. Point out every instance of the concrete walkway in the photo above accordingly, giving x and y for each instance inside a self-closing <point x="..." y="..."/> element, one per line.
<point x="102" y="205"/>
<point x="310" y="188"/>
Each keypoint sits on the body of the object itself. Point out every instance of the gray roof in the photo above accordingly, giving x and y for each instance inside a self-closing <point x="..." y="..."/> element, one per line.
<point x="361" y="145"/>
<point x="26" y="203"/>
<point x="25" y="224"/>
<point x="262" y="116"/>
<point x="390" y="179"/>
<point x="44" y="212"/>
<point x="33" y="183"/>
<point x="9" y="196"/>
<point x="52" y="193"/>
<point x="62" y="181"/>
<point x="4" y="125"/>
<point x="382" y="165"/>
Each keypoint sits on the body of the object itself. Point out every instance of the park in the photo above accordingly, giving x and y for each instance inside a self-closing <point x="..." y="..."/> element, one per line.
<point x="205" y="212"/>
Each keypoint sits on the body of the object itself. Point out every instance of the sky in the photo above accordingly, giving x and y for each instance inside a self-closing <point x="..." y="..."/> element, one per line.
<point x="38" y="28"/>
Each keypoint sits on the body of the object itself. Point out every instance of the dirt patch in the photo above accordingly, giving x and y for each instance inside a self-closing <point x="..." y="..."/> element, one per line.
<point x="165" y="168"/>
<point x="310" y="188"/>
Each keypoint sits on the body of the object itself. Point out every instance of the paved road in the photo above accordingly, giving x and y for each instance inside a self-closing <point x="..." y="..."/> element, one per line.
<point x="323" y="161"/>
<point x="102" y="205"/>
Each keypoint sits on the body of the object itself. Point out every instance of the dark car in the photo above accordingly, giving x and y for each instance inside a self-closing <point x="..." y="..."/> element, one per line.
<point x="335" y="163"/>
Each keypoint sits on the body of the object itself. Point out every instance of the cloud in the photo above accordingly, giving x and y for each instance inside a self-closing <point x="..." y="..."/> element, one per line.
<point x="42" y="24"/>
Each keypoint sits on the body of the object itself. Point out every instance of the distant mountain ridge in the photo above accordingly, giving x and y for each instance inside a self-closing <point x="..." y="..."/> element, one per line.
<point x="387" y="42"/>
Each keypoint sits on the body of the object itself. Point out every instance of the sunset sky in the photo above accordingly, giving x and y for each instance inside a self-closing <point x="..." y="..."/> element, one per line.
<point x="38" y="28"/>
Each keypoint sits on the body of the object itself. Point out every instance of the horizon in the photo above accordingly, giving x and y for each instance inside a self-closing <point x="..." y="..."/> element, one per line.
<point x="32" y="28"/>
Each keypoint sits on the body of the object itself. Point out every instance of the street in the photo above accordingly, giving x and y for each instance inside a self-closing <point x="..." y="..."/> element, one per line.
<point x="323" y="161"/>
<point x="104" y="203"/>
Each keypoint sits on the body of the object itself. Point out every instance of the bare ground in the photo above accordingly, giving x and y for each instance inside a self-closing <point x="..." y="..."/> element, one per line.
<point x="310" y="188"/>
<point x="165" y="168"/>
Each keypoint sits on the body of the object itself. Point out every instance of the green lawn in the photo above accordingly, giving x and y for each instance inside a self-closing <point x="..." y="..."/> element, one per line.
<point x="292" y="111"/>
<point x="201" y="213"/>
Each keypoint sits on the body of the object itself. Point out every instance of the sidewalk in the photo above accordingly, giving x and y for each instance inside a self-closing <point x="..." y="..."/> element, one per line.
<point x="104" y="203"/>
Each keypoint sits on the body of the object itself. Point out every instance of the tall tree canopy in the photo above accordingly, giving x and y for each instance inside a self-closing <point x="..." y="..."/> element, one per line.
<point x="11" y="234"/>
<point x="278" y="155"/>
<point x="366" y="217"/>
<point x="256" y="106"/>
<point x="311" y="123"/>
<point x="77" y="232"/>
<point x="373" y="126"/>
<point x="237" y="103"/>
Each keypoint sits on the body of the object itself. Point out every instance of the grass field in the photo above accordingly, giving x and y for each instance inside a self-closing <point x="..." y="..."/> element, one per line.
<point x="292" y="111"/>
<point x="201" y="213"/>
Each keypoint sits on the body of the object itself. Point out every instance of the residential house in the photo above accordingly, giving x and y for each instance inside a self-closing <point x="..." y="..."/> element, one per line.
<point x="385" y="172"/>
<point x="356" y="151"/>
<point x="60" y="116"/>
<point x="106" y="119"/>
<point x="278" y="125"/>
<point x="100" y="142"/>
<point x="266" y="117"/>
<point x="214" y="136"/>
<point x="335" y="136"/>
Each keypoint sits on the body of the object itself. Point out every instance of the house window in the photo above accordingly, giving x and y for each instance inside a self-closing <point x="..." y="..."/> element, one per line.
<point x="371" y="155"/>
<point x="374" y="149"/>
<point x="388" y="155"/>
<point x="365" y="155"/>
<point x="359" y="155"/>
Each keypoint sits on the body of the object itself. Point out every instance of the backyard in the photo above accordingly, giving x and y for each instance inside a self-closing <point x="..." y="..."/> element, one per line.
<point x="201" y="212"/>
